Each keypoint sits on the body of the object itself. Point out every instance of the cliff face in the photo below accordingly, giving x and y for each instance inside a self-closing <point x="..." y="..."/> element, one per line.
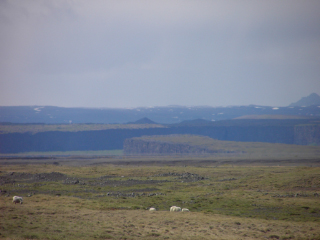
<point x="70" y="141"/>
<point x="140" y="146"/>
<point x="148" y="147"/>
<point x="307" y="135"/>
<point x="296" y="132"/>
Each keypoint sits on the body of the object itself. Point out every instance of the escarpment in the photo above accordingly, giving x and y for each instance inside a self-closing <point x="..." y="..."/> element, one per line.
<point x="171" y="145"/>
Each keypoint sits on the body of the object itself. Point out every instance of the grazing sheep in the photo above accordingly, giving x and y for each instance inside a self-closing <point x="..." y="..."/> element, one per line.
<point x="185" y="210"/>
<point x="152" y="209"/>
<point x="17" y="199"/>
<point x="175" y="209"/>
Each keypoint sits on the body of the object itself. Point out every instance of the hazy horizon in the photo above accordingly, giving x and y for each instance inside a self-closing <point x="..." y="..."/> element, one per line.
<point x="131" y="54"/>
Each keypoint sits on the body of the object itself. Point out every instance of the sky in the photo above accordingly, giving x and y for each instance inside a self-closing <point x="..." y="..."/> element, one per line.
<point x="142" y="53"/>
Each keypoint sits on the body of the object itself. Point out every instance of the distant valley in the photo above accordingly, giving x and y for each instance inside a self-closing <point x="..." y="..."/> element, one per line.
<point x="49" y="129"/>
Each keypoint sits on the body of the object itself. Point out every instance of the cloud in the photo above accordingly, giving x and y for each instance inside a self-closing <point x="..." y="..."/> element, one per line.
<point x="187" y="52"/>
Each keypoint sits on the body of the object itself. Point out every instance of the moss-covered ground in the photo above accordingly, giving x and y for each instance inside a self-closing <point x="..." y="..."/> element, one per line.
<point x="112" y="202"/>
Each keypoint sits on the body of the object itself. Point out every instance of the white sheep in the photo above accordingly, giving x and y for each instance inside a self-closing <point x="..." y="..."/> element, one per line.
<point x="175" y="209"/>
<point x="185" y="210"/>
<point x="152" y="209"/>
<point x="17" y="199"/>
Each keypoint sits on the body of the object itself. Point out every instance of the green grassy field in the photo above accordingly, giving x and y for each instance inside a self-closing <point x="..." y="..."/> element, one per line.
<point x="111" y="202"/>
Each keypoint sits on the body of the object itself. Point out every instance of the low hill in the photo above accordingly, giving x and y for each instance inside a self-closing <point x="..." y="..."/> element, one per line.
<point x="144" y="120"/>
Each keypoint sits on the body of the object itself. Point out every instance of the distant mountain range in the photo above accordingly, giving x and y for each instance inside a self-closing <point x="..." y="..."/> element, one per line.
<point x="311" y="100"/>
<point x="308" y="107"/>
<point x="163" y="115"/>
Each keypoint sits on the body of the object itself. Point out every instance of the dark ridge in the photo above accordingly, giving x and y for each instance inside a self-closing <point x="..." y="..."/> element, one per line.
<point x="144" y="120"/>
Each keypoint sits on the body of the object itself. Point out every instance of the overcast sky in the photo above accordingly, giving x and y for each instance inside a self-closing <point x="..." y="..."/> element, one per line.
<point x="133" y="53"/>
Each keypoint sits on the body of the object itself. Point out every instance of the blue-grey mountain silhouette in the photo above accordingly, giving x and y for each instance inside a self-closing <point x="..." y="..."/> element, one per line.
<point x="312" y="99"/>
<point x="144" y="120"/>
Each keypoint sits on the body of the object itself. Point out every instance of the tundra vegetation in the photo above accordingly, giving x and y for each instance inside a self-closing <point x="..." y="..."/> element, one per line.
<point x="227" y="200"/>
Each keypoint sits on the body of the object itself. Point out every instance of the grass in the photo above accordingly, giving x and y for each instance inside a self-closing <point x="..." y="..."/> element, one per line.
<point x="225" y="203"/>
<point x="138" y="224"/>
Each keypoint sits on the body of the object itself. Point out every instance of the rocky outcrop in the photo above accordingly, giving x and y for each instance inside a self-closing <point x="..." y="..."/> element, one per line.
<point x="149" y="146"/>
